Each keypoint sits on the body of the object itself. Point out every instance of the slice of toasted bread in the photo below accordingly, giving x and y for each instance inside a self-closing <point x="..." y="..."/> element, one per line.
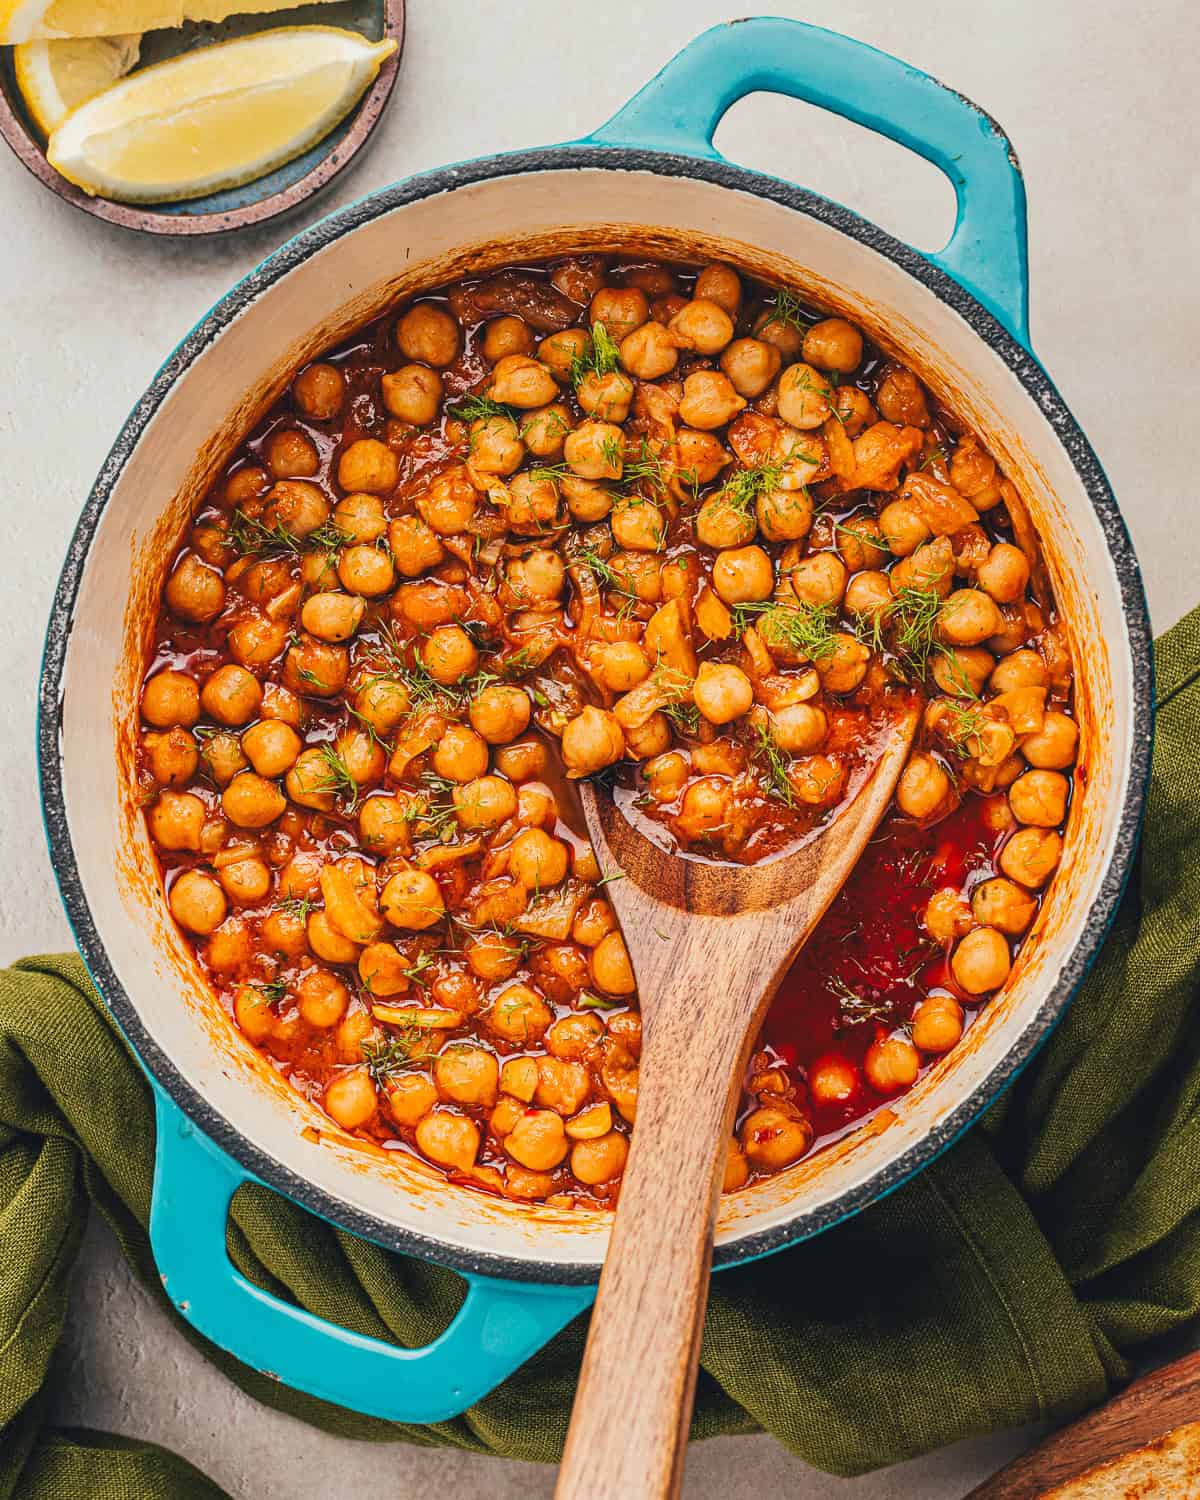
<point x="1168" y="1469"/>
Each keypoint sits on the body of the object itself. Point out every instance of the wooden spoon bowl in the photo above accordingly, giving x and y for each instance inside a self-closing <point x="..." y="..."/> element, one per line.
<point x="709" y="945"/>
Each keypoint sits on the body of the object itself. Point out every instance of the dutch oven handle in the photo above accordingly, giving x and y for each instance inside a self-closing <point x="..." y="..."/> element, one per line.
<point x="498" y="1327"/>
<point x="680" y="110"/>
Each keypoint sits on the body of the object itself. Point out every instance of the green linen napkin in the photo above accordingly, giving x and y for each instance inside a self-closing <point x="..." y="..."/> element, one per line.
<point x="1007" y="1282"/>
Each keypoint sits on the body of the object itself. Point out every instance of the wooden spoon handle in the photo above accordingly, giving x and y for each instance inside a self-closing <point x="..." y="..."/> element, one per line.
<point x="629" y="1427"/>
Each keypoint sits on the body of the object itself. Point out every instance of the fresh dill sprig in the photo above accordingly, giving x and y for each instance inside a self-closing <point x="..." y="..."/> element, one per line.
<point x="740" y="491"/>
<point x="254" y="538"/>
<point x="807" y="629"/>
<point x="270" y="990"/>
<point x="296" y="906"/>
<point x="476" y="408"/>
<point x="415" y="972"/>
<point x="336" y="778"/>
<point x="774" y="763"/>
<point x="392" y="1054"/>
<point x="855" y="1009"/>
<point x="599" y="356"/>
<point x="684" y="716"/>
<point x="788" y="310"/>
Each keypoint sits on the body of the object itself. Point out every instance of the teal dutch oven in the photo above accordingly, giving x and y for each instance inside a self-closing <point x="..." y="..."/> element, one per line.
<point x="649" y="181"/>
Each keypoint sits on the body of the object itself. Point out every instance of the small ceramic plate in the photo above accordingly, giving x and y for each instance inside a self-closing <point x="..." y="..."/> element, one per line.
<point x="277" y="193"/>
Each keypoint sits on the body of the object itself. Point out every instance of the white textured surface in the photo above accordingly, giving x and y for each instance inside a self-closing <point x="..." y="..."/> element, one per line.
<point x="1100" y="102"/>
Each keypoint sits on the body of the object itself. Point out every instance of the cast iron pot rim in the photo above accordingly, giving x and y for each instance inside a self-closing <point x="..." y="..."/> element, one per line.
<point x="1036" y="383"/>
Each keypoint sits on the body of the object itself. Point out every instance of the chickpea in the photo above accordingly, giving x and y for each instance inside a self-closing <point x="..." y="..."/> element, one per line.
<point x="251" y="801"/>
<point x="500" y="713"/>
<point x="780" y="331"/>
<point x="923" y="790"/>
<point x="448" y="1139"/>
<point x="308" y="782"/>
<point x="594" y="921"/>
<point x="367" y="464"/>
<point x="523" y="761"/>
<point x="702" y="326"/>
<point x="784" y="515"/>
<point x="638" y="524"/>
<point x="254" y="642"/>
<point x="709" y="400"/>
<point x="285" y="934"/>
<point x="638" y="575"/>
<point x="299" y="507"/>
<point x="834" y="344"/>
<point x="620" y="309"/>
<point x="937" y="1024"/>
<point x="384" y="824"/>
<point x="737" y="1169"/>
<point x="520" y="381"/>
<point x="176" y="819"/>
<point x="721" y="284"/>
<point x="891" y="1065"/>
<point x="409" y="1098"/>
<point x="228" y="949"/>
<point x="506" y="335"/>
<point x="461" y="754"/>
<point x="197" y="902"/>
<point x="962" y="671"/>
<point x="563" y="1086"/>
<point x="466" y="1074"/>
<point x="818" y="780"/>
<point x="860" y="544"/>
<point x="1020" y="669"/>
<point x="599" y="1160"/>
<point x="247" y="485"/>
<point x="361" y="517"/>
<point x="245" y="881"/>
<point x="751" y="365"/>
<point x="544" y="431"/>
<point x="981" y="961"/>
<point x="411" y="899"/>
<point x="947" y="915"/>
<point x="699" y="455"/>
<point x="252" y="1012"/>
<point x="414" y="546"/>
<point x="722" y="692"/>
<point x="1031" y="856"/>
<point x="1039" y="798"/>
<point x="172" y="756"/>
<point x="538" y="576"/>
<point x="722" y="524"/>
<point x="322" y="1000"/>
<point x="170" y="699"/>
<point x="319" y="391"/>
<point x="743" y="575"/>
<point x="449" y="654"/>
<point x="571" y="1037"/>
<point x="1054" y="746"/>
<point x="611" y="968"/>
<point x="619" y="665"/>
<point x="537" y="860"/>
<point x="869" y="595"/>
<point x="649" y="352"/>
<point x="559" y="351"/>
<point x="492" y="956"/>
<point x="968" y="618"/>
<point x="705" y="807"/>
<point x="798" y="728"/>
<point x="412" y="394"/>
<point x="222" y="754"/>
<point x="773" y="1139"/>
<point x="428" y="335"/>
<point x="591" y="741"/>
<point x="362" y="757"/>
<point x="316" y="668"/>
<point x="805" y="397"/>
<point x="832" y="1081"/>
<point x="903" y="527"/>
<point x="532" y="504"/>
<point x="537" y="1140"/>
<point x="819" y="580"/>
<point x="606" y="397"/>
<point x="366" y="570"/>
<point x="1005" y="573"/>
<point x="333" y="616"/>
<point x="901" y="399"/>
<point x="520" y="1015"/>
<point x="231" y="695"/>
<point x="290" y="455"/>
<point x="595" y="450"/>
<point x="195" y="591"/>
<point x="650" y="738"/>
<point x="1003" y="904"/>
<point x="282" y="704"/>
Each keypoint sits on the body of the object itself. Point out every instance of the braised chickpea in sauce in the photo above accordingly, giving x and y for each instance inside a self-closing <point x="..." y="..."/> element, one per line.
<point x="660" y="524"/>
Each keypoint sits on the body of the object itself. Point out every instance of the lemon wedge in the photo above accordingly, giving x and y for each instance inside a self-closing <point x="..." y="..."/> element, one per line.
<point x="217" y="117"/>
<point x="47" y="20"/>
<point x="56" y="77"/>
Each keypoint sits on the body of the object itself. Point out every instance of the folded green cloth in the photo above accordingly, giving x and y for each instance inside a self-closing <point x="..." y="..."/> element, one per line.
<point x="1007" y="1282"/>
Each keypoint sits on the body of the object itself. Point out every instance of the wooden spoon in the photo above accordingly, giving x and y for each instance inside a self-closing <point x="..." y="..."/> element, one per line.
<point x="709" y="944"/>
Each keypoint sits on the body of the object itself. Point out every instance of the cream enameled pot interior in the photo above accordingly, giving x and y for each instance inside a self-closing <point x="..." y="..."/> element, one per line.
<point x="474" y="226"/>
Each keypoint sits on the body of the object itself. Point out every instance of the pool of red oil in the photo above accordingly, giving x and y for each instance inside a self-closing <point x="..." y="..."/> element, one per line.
<point x="871" y="962"/>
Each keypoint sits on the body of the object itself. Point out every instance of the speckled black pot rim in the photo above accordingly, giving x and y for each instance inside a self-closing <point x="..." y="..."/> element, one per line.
<point x="804" y="1223"/>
